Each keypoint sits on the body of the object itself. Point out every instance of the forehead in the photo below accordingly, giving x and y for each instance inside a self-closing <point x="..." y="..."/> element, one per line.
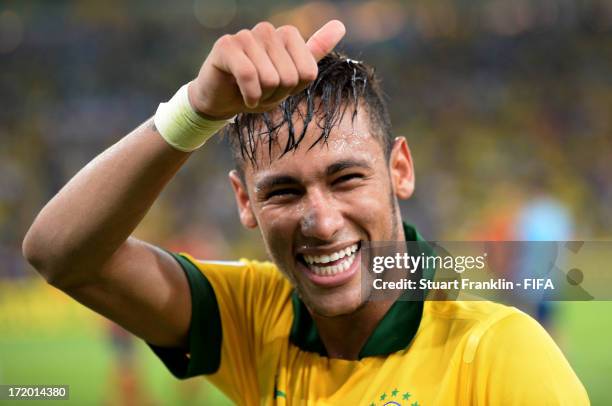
<point x="348" y="139"/>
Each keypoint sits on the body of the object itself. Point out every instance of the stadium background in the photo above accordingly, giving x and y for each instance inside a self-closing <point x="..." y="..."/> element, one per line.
<point x="502" y="103"/>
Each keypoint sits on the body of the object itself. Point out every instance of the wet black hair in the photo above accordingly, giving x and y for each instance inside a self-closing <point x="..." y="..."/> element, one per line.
<point x="341" y="83"/>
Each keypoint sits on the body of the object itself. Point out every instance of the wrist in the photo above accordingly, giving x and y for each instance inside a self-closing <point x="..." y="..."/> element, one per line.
<point x="181" y="126"/>
<point x="198" y="104"/>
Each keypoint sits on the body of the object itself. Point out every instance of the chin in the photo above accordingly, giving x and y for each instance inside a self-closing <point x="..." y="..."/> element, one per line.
<point x="336" y="307"/>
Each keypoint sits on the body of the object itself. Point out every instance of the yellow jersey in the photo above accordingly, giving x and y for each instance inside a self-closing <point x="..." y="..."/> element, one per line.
<point x="253" y="338"/>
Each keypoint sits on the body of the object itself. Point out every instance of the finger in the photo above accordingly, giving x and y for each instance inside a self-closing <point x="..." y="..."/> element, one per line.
<point x="303" y="60"/>
<point x="275" y="47"/>
<point x="325" y="39"/>
<point x="266" y="71"/>
<point x="239" y="65"/>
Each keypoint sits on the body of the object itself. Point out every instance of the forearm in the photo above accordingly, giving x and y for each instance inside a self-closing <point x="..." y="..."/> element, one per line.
<point x="88" y="220"/>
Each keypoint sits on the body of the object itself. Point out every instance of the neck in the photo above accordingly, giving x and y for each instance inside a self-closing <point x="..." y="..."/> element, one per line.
<point x="344" y="336"/>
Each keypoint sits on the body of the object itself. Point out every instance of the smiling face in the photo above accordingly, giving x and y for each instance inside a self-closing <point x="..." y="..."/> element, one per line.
<point x="315" y="207"/>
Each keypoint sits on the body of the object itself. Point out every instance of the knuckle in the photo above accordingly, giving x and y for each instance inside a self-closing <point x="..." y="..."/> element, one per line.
<point x="270" y="81"/>
<point x="244" y="36"/>
<point x="264" y="27"/>
<point x="253" y="95"/>
<point x="224" y="41"/>
<point x="246" y="73"/>
<point x="290" y="79"/>
<point x="316" y="46"/>
<point x="309" y="73"/>
<point x="289" y="30"/>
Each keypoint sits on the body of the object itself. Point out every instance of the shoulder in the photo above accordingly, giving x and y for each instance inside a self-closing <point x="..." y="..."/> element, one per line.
<point x="245" y="283"/>
<point x="467" y="319"/>
<point x="477" y="311"/>
<point x="507" y="351"/>
<point x="480" y="322"/>
<point x="241" y="265"/>
<point x="240" y="271"/>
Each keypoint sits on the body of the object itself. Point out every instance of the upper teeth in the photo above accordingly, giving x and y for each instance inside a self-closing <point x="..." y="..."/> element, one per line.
<point x="324" y="259"/>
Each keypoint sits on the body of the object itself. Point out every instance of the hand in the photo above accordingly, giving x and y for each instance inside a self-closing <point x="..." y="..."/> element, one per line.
<point x="254" y="70"/>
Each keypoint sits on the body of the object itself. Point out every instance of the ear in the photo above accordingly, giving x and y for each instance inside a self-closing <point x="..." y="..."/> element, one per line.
<point x="401" y="169"/>
<point x="247" y="217"/>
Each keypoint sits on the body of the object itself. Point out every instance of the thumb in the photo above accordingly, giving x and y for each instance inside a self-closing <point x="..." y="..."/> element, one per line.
<point x="325" y="39"/>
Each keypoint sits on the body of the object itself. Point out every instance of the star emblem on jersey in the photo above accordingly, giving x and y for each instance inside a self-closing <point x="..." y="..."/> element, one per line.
<point x="395" y="397"/>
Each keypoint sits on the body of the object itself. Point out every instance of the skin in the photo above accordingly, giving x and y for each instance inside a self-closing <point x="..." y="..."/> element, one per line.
<point x="346" y="194"/>
<point x="81" y="242"/>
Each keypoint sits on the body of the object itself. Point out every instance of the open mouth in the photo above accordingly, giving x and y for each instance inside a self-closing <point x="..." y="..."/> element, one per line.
<point x="331" y="264"/>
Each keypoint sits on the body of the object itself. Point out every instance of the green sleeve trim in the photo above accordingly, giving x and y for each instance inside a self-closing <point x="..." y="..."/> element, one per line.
<point x="205" y="334"/>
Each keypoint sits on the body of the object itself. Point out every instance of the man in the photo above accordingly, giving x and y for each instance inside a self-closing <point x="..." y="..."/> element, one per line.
<point x="319" y="176"/>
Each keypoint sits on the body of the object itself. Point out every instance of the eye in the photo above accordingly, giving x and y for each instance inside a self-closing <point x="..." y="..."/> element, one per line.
<point x="284" y="192"/>
<point x="347" y="177"/>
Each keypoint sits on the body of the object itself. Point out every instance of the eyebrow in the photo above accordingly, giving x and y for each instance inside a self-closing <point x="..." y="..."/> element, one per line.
<point x="346" y="164"/>
<point x="272" y="181"/>
<point x="281" y="180"/>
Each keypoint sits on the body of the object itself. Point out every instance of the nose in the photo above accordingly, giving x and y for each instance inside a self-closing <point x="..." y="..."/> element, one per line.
<point x="321" y="218"/>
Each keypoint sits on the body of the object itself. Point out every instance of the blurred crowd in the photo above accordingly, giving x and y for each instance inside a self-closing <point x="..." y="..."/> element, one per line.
<point x="502" y="102"/>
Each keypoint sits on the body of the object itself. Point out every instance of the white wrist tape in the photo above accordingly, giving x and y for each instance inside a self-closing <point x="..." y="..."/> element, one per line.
<point x="181" y="126"/>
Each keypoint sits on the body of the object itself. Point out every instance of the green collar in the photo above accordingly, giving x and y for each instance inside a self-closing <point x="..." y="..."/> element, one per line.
<point x="393" y="333"/>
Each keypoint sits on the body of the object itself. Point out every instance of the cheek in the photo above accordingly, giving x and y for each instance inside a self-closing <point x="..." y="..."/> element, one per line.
<point x="278" y="224"/>
<point x="280" y="218"/>
<point x="368" y="209"/>
<point x="371" y="206"/>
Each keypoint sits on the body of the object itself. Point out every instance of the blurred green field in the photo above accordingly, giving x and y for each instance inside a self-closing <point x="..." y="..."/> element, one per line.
<point x="45" y="338"/>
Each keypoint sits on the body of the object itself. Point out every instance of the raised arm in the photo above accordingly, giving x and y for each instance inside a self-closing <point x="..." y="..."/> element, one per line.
<point x="80" y="241"/>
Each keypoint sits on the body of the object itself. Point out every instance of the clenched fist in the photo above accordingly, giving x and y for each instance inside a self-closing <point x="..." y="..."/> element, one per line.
<point x="254" y="70"/>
